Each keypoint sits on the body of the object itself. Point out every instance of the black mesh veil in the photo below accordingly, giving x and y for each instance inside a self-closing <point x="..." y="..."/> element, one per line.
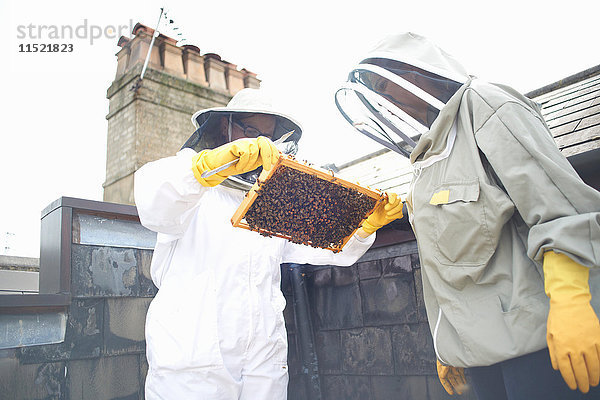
<point x="201" y="140"/>
<point x="212" y="132"/>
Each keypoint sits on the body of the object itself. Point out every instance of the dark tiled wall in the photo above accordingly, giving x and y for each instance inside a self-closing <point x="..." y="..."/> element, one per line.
<point x="103" y="355"/>
<point x="372" y="337"/>
<point x="370" y="327"/>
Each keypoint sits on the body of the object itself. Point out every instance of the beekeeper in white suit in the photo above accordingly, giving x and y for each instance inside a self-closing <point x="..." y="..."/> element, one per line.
<point x="507" y="232"/>
<point x="215" y="330"/>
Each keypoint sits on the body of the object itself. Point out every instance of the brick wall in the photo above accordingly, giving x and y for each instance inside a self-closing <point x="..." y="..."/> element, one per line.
<point x="148" y="124"/>
<point x="150" y="119"/>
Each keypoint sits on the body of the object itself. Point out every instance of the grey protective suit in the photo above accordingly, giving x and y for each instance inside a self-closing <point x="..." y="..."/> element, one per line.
<point x="490" y="194"/>
<point x="511" y="195"/>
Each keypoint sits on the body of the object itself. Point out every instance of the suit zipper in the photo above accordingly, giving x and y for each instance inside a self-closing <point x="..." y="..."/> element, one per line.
<point x="417" y="170"/>
<point x="435" y="333"/>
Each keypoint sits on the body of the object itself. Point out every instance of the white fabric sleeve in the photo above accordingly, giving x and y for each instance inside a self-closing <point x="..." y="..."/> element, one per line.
<point x="352" y="251"/>
<point x="166" y="193"/>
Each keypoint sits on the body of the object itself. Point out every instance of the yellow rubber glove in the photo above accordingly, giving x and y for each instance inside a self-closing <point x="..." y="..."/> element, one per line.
<point x="387" y="211"/>
<point x="452" y="378"/>
<point x="252" y="154"/>
<point x="573" y="330"/>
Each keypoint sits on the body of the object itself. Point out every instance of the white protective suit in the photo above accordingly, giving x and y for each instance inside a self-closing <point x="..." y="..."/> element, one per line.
<point x="215" y="330"/>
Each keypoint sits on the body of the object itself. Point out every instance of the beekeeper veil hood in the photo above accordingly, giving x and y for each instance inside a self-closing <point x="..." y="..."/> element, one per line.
<point x="396" y="92"/>
<point x="214" y="127"/>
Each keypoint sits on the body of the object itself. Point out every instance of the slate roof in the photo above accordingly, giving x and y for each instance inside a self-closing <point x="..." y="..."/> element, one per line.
<point x="384" y="170"/>
<point x="570" y="106"/>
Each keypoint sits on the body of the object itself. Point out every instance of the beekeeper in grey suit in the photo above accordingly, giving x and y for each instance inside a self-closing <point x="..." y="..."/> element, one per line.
<point x="507" y="232"/>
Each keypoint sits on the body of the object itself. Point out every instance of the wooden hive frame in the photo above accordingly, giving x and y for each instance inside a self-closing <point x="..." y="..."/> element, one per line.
<point x="238" y="217"/>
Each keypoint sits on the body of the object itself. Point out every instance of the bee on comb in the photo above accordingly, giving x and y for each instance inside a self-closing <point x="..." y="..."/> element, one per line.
<point x="305" y="205"/>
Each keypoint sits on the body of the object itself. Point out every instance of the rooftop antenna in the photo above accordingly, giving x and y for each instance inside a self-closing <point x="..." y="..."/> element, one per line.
<point x="156" y="33"/>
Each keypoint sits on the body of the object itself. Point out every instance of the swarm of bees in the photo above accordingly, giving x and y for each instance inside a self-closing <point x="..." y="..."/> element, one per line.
<point x="307" y="209"/>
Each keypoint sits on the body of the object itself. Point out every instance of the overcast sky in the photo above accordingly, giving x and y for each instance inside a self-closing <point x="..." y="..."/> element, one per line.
<point x="54" y="105"/>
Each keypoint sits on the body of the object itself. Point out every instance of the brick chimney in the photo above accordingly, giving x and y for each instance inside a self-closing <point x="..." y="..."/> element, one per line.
<point x="150" y="119"/>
